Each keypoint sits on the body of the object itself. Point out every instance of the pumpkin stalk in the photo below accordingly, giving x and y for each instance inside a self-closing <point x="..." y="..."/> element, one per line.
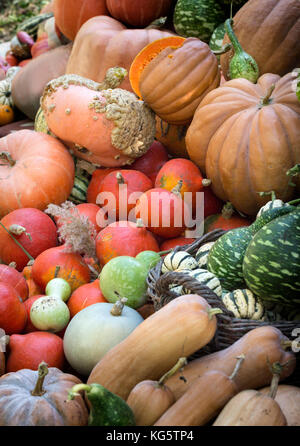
<point x="179" y="364"/>
<point x="7" y="157"/>
<point x="76" y="389"/>
<point x="120" y="178"/>
<point x="19" y="230"/>
<point x="240" y="360"/>
<point x="227" y="210"/>
<point x="176" y="190"/>
<point x="267" y="99"/>
<point x="42" y="372"/>
<point x="139" y="223"/>
<point x="118" y="307"/>
<point x="276" y="370"/>
<point x="12" y="265"/>
<point x="212" y="311"/>
<point x="206" y="182"/>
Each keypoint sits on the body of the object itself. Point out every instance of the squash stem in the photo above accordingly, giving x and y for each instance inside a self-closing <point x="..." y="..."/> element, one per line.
<point x="42" y="372"/>
<point x="176" y="190"/>
<point x="266" y="99"/>
<point x="18" y="243"/>
<point x="294" y="201"/>
<point x="212" y="311"/>
<point x="76" y="389"/>
<point x="7" y="157"/>
<point x="240" y="360"/>
<point x="276" y="370"/>
<point x="206" y="182"/>
<point x="179" y="364"/>
<point x="139" y="223"/>
<point x="118" y="307"/>
<point x="233" y="39"/>
<point x="227" y="210"/>
<point x="120" y="178"/>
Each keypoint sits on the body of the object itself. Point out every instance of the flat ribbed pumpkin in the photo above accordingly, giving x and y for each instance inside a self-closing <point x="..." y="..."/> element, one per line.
<point x="108" y="43"/>
<point x="175" y="81"/>
<point x="268" y="30"/>
<point x="36" y="170"/>
<point x="246" y="137"/>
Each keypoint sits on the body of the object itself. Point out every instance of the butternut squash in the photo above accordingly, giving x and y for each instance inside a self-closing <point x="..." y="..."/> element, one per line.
<point x="259" y="346"/>
<point x="150" y="399"/>
<point x="288" y="398"/>
<point x="180" y="328"/>
<point x="203" y="400"/>
<point x="253" y="408"/>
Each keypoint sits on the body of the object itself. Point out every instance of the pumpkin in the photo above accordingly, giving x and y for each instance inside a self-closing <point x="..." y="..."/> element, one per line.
<point x="32" y="229"/>
<point x="23" y="167"/>
<point x="212" y="204"/>
<point x="93" y="188"/>
<point x="202" y="401"/>
<point x="150" y="399"/>
<point x="138" y="13"/>
<point x="288" y="398"/>
<point x="226" y="219"/>
<point x="174" y="82"/>
<point x="5" y="92"/>
<point x="6" y="114"/>
<point x="58" y="262"/>
<point x="28" y="84"/>
<point x="228" y="139"/>
<point x="33" y="288"/>
<point x="95" y="330"/>
<point x="274" y="29"/>
<point x="172" y="136"/>
<point x="115" y="127"/>
<point x="84" y="296"/>
<point x="150" y="163"/>
<point x="110" y="240"/>
<point x="253" y="408"/>
<point x="71" y="15"/>
<point x="156" y="344"/>
<point x="261" y="346"/>
<point x="10" y="275"/>
<point x="109" y="44"/>
<point x="26" y="351"/>
<point x="90" y="211"/>
<point x="13" y="316"/>
<point x="173" y="242"/>
<point x="119" y="191"/>
<point x="31" y="398"/>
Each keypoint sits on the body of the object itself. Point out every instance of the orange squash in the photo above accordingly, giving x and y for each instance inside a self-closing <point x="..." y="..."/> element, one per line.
<point x="33" y="288"/>
<point x="24" y="165"/>
<point x="172" y="136"/>
<point x="288" y="398"/>
<point x="176" y="80"/>
<point x="70" y="15"/>
<point x="109" y="44"/>
<point x="230" y="139"/>
<point x="6" y="114"/>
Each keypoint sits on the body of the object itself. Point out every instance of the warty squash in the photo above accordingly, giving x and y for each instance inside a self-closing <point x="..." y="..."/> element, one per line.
<point x="230" y="139"/>
<point x="180" y="328"/>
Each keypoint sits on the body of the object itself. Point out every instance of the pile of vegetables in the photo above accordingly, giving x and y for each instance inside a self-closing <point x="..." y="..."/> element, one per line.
<point x="150" y="119"/>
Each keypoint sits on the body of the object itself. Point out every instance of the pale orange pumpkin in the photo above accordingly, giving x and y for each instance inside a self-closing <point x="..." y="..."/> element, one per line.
<point x="246" y="137"/>
<point x="36" y="170"/>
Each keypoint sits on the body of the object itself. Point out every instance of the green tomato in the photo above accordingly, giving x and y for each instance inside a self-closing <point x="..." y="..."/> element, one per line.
<point x="124" y="276"/>
<point x="148" y="258"/>
<point x="58" y="288"/>
<point x="49" y="313"/>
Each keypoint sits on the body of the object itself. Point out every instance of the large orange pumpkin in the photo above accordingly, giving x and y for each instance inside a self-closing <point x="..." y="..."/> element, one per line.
<point x="246" y="137"/>
<point x="108" y="43"/>
<point x="36" y="170"/>
<point x="269" y="30"/>
<point x="70" y="15"/>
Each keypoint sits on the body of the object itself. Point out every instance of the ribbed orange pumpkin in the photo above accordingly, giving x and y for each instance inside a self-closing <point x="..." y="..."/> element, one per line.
<point x="172" y="136"/>
<point x="70" y="15"/>
<point x="108" y="43"/>
<point x="246" y="137"/>
<point x="177" y="79"/>
<point x="36" y="170"/>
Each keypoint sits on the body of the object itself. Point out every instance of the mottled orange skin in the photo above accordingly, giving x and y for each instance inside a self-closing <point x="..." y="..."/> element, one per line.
<point x="84" y="296"/>
<point x="33" y="288"/>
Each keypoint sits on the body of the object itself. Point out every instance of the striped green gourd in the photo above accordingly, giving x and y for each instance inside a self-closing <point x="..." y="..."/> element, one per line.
<point x="177" y="261"/>
<point x="217" y="37"/>
<point x="78" y="193"/>
<point x="204" y="277"/>
<point x="201" y="255"/>
<point x="271" y="265"/>
<point x="197" y="18"/>
<point x="31" y="25"/>
<point x="244" y="304"/>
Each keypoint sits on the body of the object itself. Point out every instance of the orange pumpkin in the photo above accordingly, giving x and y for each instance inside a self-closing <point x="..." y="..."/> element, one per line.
<point x="10" y="275"/>
<point x="93" y="188"/>
<point x="6" y="114"/>
<point x="36" y="170"/>
<point x="33" y="288"/>
<point x="109" y="44"/>
<point x="84" y="296"/>
<point x="174" y="82"/>
<point x="172" y="136"/>
<point x="246" y="137"/>
<point x="70" y="15"/>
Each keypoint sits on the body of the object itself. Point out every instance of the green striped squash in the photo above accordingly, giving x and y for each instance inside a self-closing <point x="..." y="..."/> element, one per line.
<point x="201" y="255"/>
<point x="268" y="214"/>
<point x="225" y="258"/>
<point x="31" y="25"/>
<point x="217" y="37"/>
<point x="271" y="265"/>
<point x="197" y="18"/>
<point x="78" y="193"/>
<point x="204" y="277"/>
<point x="244" y="304"/>
<point x="272" y="204"/>
<point x="177" y="261"/>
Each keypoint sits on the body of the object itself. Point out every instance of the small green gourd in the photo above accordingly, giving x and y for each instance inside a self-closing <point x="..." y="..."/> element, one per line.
<point x="107" y="409"/>
<point x="242" y="65"/>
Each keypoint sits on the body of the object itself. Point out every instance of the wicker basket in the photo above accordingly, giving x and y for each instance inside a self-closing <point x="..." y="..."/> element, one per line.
<point x="229" y="328"/>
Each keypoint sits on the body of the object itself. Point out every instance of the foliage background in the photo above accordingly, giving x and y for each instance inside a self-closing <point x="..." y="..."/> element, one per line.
<point x="14" y="12"/>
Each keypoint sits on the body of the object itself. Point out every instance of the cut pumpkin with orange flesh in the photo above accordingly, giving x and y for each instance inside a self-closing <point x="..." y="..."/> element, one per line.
<point x="145" y="56"/>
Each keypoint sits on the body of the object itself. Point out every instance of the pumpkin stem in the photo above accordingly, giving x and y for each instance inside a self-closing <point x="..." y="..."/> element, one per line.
<point x="212" y="311"/>
<point x="267" y="99"/>
<point x="289" y="344"/>
<point x="272" y="193"/>
<point x="161" y="253"/>
<point x="85" y="166"/>
<point x="19" y="230"/>
<point x="294" y="201"/>
<point x="42" y="372"/>
<point x="57" y="268"/>
<point x="227" y="47"/>
<point x="12" y="265"/>
<point x="176" y="190"/>
<point x="292" y="172"/>
<point x="118" y="306"/>
<point x="76" y="389"/>
<point x="233" y="39"/>
<point x="206" y="182"/>
<point x="120" y="178"/>
<point x="157" y="23"/>
<point x="7" y="157"/>
<point x="240" y="360"/>
<point x="18" y="243"/>
<point x="179" y="364"/>
<point x="30" y="263"/>
<point x="139" y="223"/>
<point x="276" y="371"/>
<point x="227" y="210"/>
<point x="113" y="78"/>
